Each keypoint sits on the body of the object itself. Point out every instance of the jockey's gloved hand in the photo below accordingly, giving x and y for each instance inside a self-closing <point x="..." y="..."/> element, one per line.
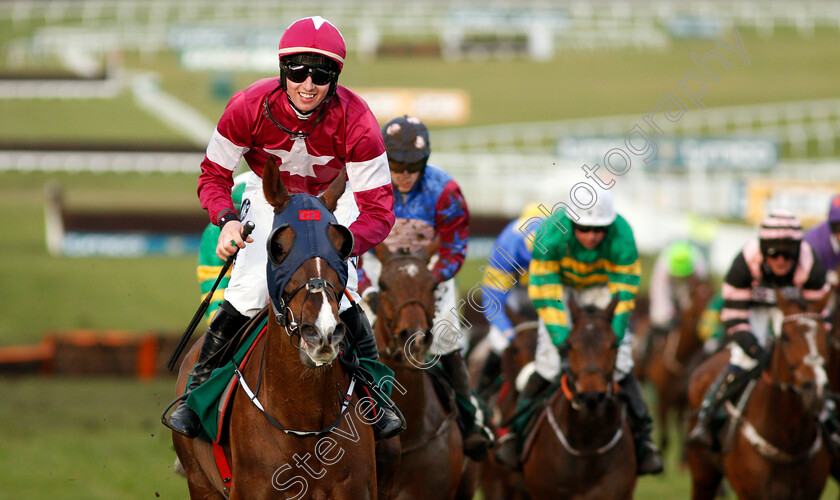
<point x="563" y="349"/>
<point x="749" y="344"/>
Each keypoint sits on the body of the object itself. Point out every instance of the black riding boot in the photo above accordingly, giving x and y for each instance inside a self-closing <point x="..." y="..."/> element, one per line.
<point x="728" y="383"/>
<point x="360" y="334"/>
<point x="507" y="450"/>
<point x="476" y="443"/>
<point x="489" y="374"/>
<point x="648" y="458"/>
<point x="224" y="326"/>
<point x="831" y="426"/>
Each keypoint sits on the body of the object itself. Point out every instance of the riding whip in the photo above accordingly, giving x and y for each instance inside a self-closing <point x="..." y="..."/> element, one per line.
<point x="249" y="227"/>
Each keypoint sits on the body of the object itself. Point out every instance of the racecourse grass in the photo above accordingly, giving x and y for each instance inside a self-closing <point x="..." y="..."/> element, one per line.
<point x="45" y="293"/>
<point x="100" y="438"/>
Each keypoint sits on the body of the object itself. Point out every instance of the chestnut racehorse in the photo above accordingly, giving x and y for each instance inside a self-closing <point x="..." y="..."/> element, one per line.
<point x="432" y="462"/>
<point x="672" y="357"/>
<point x="833" y="364"/>
<point x="296" y="378"/>
<point x="774" y="448"/>
<point x="582" y="445"/>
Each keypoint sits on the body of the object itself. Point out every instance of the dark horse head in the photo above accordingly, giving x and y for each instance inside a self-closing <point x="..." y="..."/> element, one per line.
<point x="307" y="268"/>
<point x="591" y="349"/>
<point x="406" y="304"/>
<point x="797" y="362"/>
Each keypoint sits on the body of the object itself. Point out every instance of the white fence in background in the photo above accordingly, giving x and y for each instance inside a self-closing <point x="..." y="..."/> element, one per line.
<point x="792" y="123"/>
<point x="804" y="15"/>
<point x="543" y="25"/>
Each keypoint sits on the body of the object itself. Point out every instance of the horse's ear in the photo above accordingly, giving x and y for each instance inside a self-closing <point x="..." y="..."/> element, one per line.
<point x="574" y="308"/>
<point x="819" y="305"/>
<point x="612" y="305"/>
<point x="432" y="247"/>
<point x="342" y="239"/>
<point x="782" y="302"/>
<point x="273" y="187"/>
<point x="334" y="192"/>
<point x="381" y="252"/>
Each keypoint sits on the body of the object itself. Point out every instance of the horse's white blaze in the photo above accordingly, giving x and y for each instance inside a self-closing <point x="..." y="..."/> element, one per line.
<point x="814" y="360"/>
<point x="326" y="322"/>
<point x="409" y="269"/>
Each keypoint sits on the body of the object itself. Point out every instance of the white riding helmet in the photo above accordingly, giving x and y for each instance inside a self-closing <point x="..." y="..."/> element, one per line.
<point x="601" y="213"/>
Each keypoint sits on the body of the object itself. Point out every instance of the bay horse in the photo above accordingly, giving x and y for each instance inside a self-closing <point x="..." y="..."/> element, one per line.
<point x="773" y="446"/>
<point x="582" y="446"/>
<point x="432" y="462"/>
<point x="324" y="451"/>
<point x="673" y="357"/>
<point x="497" y="481"/>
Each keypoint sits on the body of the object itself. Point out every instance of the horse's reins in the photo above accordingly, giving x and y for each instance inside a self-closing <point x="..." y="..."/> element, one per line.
<point x="292" y="328"/>
<point x="812" y="361"/>
<point x="286" y="318"/>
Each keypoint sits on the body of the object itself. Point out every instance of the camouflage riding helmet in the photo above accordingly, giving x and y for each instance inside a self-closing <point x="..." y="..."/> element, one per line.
<point x="406" y="140"/>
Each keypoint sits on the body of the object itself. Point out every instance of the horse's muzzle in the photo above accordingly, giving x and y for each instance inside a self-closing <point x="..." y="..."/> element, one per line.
<point x="317" y="347"/>
<point x="590" y="400"/>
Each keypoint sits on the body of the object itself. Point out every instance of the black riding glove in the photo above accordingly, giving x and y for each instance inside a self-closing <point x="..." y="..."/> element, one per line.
<point x="749" y="344"/>
<point x="563" y="349"/>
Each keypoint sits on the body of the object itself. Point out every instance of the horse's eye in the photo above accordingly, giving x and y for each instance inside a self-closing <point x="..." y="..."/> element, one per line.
<point x="382" y="287"/>
<point x="784" y="338"/>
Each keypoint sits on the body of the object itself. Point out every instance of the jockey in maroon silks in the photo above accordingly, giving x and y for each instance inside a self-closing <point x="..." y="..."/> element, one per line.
<point x="313" y="128"/>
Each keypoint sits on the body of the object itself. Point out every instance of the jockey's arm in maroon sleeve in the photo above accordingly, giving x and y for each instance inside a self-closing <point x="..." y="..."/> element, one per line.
<point x="370" y="178"/>
<point x="222" y="157"/>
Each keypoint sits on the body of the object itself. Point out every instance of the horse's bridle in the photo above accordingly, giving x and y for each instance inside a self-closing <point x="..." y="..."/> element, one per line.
<point x="393" y="346"/>
<point x="808" y="360"/>
<point x="286" y="318"/>
<point x="571" y="377"/>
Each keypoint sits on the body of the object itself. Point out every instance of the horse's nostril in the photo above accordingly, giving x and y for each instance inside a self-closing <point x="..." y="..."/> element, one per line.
<point x="310" y="334"/>
<point x="593" y="398"/>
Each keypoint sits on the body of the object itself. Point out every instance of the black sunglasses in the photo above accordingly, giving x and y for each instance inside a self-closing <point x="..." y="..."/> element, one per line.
<point x="589" y="229"/>
<point x="835" y="227"/>
<point x="298" y="73"/>
<point x="411" y="168"/>
<point x="786" y="253"/>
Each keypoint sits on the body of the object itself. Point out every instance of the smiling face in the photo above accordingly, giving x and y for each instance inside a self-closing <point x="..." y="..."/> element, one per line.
<point x="306" y="96"/>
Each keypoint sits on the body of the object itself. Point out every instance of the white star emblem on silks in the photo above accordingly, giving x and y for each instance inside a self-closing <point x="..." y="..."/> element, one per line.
<point x="298" y="161"/>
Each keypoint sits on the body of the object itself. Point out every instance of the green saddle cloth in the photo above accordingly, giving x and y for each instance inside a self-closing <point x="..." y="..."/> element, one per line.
<point x="206" y="399"/>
